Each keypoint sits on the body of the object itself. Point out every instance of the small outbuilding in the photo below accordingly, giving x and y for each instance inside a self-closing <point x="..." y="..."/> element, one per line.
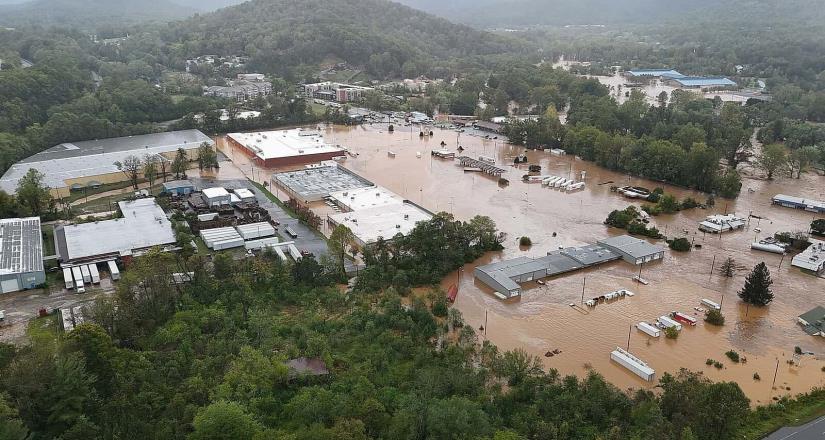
<point x="813" y="321"/>
<point x="217" y="196"/>
<point x="178" y="188"/>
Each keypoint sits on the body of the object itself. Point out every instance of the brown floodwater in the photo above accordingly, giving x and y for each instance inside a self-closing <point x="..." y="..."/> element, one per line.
<point x="542" y="318"/>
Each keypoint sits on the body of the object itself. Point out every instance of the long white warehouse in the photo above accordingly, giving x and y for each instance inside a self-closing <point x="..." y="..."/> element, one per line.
<point x="632" y="363"/>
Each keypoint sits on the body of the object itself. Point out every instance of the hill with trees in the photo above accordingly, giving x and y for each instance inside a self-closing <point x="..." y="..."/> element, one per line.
<point x="388" y="38"/>
<point x="88" y="14"/>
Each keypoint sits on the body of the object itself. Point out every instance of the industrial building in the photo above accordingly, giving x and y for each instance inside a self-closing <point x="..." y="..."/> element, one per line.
<point x="244" y="89"/>
<point x="88" y="164"/>
<point x="717" y="224"/>
<point x="284" y="147"/>
<point x="799" y="203"/>
<point x="21" y="254"/>
<point x="633" y="250"/>
<point x="216" y="197"/>
<point x="812" y="259"/>
<point x="143" y="226"/>
<point x="505" y="277"/>
<point x="178" y="188"/>
<point x="813" y="321"/>
<point x="364" y="198"/>
<point x="386" y="221"/>
<point x="700" y="82"/>
<point x="314" y="184"/>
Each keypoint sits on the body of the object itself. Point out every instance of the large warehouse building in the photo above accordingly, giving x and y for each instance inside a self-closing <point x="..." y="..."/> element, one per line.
<point x="21" y="254"/>
<point x="77" y="165"/>
<point x="284" y="147"/>
<point x="144" y="225"/>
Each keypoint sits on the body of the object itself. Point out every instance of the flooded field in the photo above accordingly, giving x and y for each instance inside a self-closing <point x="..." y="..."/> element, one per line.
<point x="542" y="319"/>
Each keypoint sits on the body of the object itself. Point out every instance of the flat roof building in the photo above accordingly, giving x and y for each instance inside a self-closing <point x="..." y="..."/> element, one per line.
<point x="217" y="196"/>
<point x="144" y="225"/>
<point x="386" y="221"/>
<point x="633" y="250"/>
<point x="76" y="165"/>
<point x="21" y="254"/>
<point x="364" y="198"/>
<point x="701" y="82"/>
<point x="799" y="203"/>
<point x="654" y="73"/>
<point x="716" y="224"/>
<point x="284" y="147"/>
<point x="812" y="259"/>
<point x="314" y="184"/>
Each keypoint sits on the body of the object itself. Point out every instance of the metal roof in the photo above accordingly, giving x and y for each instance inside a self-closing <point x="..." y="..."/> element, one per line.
<point x="808" y="204"/>
<point x="174" y="184"/>
<point x="702" y="81"/>
<point x="635" y="247"/>
<point x="317" y="183"/>
<point x="815" y="319"/>
<point x="21" y="246"/>
<point x="144" y="225"/>
<point x="667" y="73"/>
<point x="96" y="157"/>
<point x="812" y="258"/>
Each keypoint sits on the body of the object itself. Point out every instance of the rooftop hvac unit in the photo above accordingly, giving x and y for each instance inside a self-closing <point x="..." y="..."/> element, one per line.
<point x="406" y="216"/>
<point x="397" y="226"/>
<point x="300" y="151"/>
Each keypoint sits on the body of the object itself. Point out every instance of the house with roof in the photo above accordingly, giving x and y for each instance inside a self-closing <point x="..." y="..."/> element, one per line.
<point x="813" y="321"/>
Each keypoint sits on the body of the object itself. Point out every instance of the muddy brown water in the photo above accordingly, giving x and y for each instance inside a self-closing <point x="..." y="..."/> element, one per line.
<point x="542" y="318"/>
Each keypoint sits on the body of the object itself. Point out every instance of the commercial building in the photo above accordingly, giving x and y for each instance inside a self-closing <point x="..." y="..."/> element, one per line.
<point x="21" y="254"/>
<point x="364" y="198"/>
<point x="812" y="259"/>
<point x="316" y="183"/>
<point x="633" y="250"/>
<point x="284" y="147"/>
<point x="215" y="197"/>
<point x="799" y="203"/>
<point x="505" y="277"/>
<point x="333" y="91"/>
<point x="78" y="165"/>
<point x="701" y="82"/>
<point x="387" y="221"/>
<point x="241" y="90"/>
<point x="813" y="321"/>
<point x="143" y="226"/>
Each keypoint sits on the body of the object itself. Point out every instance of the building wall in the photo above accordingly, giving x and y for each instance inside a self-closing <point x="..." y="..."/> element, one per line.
<point x="27" y="280"/>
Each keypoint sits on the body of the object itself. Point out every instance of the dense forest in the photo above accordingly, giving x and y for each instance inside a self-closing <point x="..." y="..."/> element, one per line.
<point x="210" y="360"/>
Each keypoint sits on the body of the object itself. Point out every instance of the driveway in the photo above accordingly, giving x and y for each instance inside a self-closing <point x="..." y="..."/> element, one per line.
<point x="814" y="430"/>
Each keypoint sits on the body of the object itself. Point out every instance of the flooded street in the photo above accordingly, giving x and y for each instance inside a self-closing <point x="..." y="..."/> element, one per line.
<point x="542" y="319"/>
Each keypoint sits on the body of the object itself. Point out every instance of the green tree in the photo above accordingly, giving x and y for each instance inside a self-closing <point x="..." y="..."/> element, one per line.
<point x="33" y="195"/>
<point x="11" y="427"/>
<point x="772" y="159"/>
<point x="757" y="288"/>
<point x="801" y="159"/>
<point x="150" y="168"/>
<point x="207" y="157"/>
<point x="224" y="420"/>
<point x="179" y="164"/>
<point x="341" y="241"/>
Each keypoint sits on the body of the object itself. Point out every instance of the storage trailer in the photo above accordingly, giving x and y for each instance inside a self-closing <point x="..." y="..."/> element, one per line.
<point x="67" y="278"/>
<point x="78" y="279"/>
<point x="94" y="273"/>
<point x="113" y="270"/>
<point x="632" y="363"/>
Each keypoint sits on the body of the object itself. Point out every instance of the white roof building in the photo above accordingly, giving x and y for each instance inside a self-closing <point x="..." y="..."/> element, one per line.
<point x="721" y="223"/>
<point x="365" y="198"/>
<point x="144" y="225"/>
<point x="812" y="259"/>
<point x="286" y="147"/>
<point x="381" y="221"/>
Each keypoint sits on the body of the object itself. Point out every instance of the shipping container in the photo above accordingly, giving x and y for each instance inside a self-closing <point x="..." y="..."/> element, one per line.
<point x="77" y="274"/>
<point x="666" y="322"/>
<point x="87" y="276"/>
<point x="711" y="304"/>
<point x="67" y="278"/>
<point x="632" y="363"/>
<point x="293" y="252"/>
<point x="649" y="329"/>
<point x="94" y="273"/>
<point x="113" y="270"/>
<point x="256" y="230"/>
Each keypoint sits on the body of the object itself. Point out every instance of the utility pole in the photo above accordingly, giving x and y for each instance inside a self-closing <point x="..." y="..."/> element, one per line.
<point x="628" y="337"/>
<point x="584" y="282"/>
<point x="711" y="266"/>
<point x="775" y="372"/>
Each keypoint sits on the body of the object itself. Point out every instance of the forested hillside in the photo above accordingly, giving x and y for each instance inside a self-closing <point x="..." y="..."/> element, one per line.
<point x="282" y="34"/>
<point x="503" y="13"/>
<point x="88" y="14"/>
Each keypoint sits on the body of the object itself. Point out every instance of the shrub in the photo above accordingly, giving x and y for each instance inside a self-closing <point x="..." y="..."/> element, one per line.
<point x="689" y="203"/>
<point x="709" y="361"/>
<point x="679" y="244"/>
<point x="525" y="241"/>
<point x="715" y="317"/>
<point x="797" y="350"/>
<point x="671" y="333"/>
<point x="756" y="376"/>
<point x="718" y="365"/>
<point x="440" y="307"/>
<point x="733" y="356"/>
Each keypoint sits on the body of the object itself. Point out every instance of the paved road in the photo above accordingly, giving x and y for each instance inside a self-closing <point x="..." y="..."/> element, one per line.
<point x="814" y="430"/>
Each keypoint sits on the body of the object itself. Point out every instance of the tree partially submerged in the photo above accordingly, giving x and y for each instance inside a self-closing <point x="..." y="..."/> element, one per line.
<point x="757" y="288"/>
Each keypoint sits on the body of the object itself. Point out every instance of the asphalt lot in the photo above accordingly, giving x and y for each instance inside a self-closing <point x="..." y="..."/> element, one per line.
<point x="814" y="430"/>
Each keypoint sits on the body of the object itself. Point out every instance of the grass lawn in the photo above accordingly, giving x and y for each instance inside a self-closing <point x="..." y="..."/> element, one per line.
<point x="796" y="412"/>
<point x="318" y="109"/>
<point x="44" y="331"/>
